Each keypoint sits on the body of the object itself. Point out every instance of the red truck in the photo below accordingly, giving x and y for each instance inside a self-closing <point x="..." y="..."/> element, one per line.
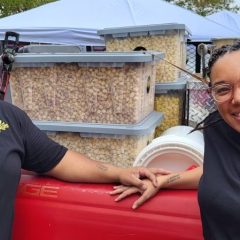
<point x="49" y="209"/>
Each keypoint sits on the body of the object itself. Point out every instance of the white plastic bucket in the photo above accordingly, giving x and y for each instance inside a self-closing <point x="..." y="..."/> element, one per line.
<point x="174" y="150"/>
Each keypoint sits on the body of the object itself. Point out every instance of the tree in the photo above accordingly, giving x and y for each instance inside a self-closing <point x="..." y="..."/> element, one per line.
<point x="9" y="7"/>
<point x="207" y="7"/>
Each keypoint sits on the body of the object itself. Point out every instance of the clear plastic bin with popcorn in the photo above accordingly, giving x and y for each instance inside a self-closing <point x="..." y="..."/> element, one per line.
<point x="118" y="144"/>
<point x="218" y="42"/>
<point x="170" y="100"/>
<point x="85" y="87"/>
<point x="168" y="38"/>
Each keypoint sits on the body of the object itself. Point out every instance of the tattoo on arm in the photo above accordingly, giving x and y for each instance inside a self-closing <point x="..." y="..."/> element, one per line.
<point x="102" y="167"/>
<point x="173" y="179"/>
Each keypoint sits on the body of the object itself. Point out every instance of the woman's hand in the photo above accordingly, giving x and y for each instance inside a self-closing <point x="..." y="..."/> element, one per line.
<point x="182" y="180"/>
<point x="148" y="192"/>
<point x="133" y="176"/>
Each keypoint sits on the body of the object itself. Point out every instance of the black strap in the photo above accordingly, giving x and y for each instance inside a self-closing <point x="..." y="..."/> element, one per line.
<point x="9" y="50"/>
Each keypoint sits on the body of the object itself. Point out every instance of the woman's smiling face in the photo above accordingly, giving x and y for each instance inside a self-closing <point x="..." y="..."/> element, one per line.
<point x="227" y="70"/>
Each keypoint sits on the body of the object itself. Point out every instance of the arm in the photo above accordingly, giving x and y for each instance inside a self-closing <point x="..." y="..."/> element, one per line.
<point x="45" y="156"/>
<point x="75" y="167"/>
<point x="183" y="180"/>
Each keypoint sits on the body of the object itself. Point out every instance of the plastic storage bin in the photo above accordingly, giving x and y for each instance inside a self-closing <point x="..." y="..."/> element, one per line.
<point x="53" y="210"/>
<point x="167" y="38"/>
<point x="85" y="87"/>
<point x="218" y="42"/>
<point x="170" y="100"/>
<point x="199" y="102"/>
<point x="115" y="144"/>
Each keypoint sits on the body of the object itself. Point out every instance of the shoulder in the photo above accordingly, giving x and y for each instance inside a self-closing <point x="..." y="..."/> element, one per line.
<point x="8" y="106"/>
<point x="212" y="118"/>
<point x="11" y="112"/>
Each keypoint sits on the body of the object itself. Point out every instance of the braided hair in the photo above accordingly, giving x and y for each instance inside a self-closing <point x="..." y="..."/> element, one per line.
<point x="220" y="52"/>
<point x="216" y="54"/>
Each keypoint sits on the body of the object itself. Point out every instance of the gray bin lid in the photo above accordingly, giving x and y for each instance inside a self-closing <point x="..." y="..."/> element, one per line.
<point x="225" y="38"/>
<point x="50" y="49"/>
<point x="180" y="84"/>
<point x="146" y="126"/>
<point x="103" y="57"/>
<point x="152" y="29"/>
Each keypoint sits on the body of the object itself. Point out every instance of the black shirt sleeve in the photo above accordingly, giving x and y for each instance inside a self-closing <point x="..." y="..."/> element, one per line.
<point x="41" y="153"/>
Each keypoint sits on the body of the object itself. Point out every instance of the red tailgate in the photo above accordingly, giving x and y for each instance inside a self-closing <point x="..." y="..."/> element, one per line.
<point x="50" y="209"/>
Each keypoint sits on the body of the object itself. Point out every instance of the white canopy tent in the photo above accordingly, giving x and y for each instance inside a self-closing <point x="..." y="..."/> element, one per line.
<point x="227" y="19"/>
<point x="76" y="22"/>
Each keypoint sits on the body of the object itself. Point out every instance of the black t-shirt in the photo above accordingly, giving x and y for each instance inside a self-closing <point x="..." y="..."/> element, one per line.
<point x="22" y="145"/>
<point x="219" y="189"/>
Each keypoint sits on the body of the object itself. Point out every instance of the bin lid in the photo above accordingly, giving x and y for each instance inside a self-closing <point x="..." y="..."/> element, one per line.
<point x="99" y="57"/>
<point x="51" y="48"/>
<point x="225" y="38"/>
<point x="152" y="29"/>
<point x="180" y="84"/>
<point x="146" y="126"/>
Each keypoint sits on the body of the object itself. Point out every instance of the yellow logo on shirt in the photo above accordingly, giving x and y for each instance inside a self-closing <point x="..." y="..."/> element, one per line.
<point x="3" y="126"/>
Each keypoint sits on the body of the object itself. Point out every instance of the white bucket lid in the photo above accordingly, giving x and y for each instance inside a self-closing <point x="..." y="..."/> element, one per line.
<point x="174" y="150"/>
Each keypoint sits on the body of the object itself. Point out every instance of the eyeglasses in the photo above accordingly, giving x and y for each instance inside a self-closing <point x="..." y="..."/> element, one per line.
<point x="221" y="92"/>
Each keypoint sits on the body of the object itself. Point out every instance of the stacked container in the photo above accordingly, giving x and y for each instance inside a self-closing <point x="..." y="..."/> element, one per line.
<point x="109" y="89"/>
<point x="170" y="100"/>
<point x="118" y="144"/>
<point x="218" y="42"/>
<point x="167" y="38"/>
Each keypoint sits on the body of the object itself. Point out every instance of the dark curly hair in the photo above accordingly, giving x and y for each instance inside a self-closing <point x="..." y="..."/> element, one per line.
<point x="220" y="52"/>
<point x="216" y="54"/>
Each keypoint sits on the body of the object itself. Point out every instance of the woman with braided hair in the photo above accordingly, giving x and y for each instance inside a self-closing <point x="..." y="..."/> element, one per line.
<point x="218" y="182"/>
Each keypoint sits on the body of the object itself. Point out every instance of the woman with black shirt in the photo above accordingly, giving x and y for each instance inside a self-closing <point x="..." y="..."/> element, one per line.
<point x="23" y="145"/>
<point x="218" y="180"/>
